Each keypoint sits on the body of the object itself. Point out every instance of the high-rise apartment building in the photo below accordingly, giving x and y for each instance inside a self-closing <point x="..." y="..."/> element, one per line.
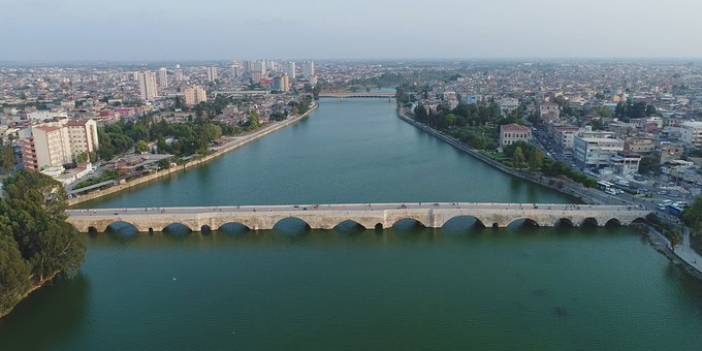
<point x="58" y="143"/>
<point x="194" y="95"/>
<point x="211" y="74"/>
<point x="163" y="78"/>
<point x="281" y="83"/>
<point x="179" y="77"/>
<point x="308" y="69"/>
<point x="291" y="70"/>
<point x="147" y="85"/>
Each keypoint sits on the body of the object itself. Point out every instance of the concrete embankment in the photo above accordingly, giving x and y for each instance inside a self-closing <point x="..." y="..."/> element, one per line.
<point x="563" y="186"/>
<point x="234" y="144"/>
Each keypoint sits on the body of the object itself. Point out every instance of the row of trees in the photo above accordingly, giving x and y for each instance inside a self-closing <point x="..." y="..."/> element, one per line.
<point x="477" y="125"/>
<point x="36" y="243"/>
<point x="463" y="115"/>
<point x="189" y="138"/>
<point x="7" y="157"/>
<point x="528" y="156"/>
<point x="629" y="109"/>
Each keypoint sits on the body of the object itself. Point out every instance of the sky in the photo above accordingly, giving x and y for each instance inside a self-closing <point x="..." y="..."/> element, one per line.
<point x="164" y="30"/>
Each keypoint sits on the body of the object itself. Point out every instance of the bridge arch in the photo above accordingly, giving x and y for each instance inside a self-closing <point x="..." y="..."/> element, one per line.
<point x="613" y="223"/>
<point x="589" y="222"/>
<point x="461" y="223"/>
<point x="291" y="225"/>
<point x="349" y="225"/>
<point x="523" y="223"/>
<point x="177" y="229"/>
<point x="121" y="228"/>
<point x="564" y="223"/>
<point x="233" y="228"/>
<point x="408" y="223"/>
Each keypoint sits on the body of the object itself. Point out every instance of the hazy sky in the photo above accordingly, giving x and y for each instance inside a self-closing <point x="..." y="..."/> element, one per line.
<point x="142" y="30"/>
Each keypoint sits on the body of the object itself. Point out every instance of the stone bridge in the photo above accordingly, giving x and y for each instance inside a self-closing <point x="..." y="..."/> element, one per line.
<point x="378" y="216"/>
<point x="345" y="95"/>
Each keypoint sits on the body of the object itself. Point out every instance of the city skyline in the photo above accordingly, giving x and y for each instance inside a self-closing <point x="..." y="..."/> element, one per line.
<point x="361" y="30"/>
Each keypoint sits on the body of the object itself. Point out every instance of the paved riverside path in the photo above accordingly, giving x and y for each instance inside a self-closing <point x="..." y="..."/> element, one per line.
<point x="377" y="215"/>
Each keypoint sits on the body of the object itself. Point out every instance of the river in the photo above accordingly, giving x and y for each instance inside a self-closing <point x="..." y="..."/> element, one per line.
<point x="404" y="288"/>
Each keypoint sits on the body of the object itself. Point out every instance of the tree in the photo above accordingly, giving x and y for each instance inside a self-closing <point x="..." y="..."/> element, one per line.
<point x="35" y="205"/>
<point x="536" y="159"/>
<point x="650" y="165"/>
<point x="14" y="272"/>
<point x="142" y="146"/>
<point x="253" y="121"/>
<point x="693" y="216"/>
<point x="518" y="157"/>
<point x="81" y="158"/>
<point x="36" y="243"/>
<point x="451" y="119"/>
<point x="7" y="158"/>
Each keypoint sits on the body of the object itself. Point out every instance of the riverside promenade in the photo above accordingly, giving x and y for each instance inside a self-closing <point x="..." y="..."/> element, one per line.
<point x="216" y="152"/>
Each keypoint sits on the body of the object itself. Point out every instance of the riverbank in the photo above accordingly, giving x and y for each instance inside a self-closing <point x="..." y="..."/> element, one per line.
<point x="217" y="152"/>
<point x="563" y="186"/>
<point x="680" y="255"/>
<point x="29" y="292"/>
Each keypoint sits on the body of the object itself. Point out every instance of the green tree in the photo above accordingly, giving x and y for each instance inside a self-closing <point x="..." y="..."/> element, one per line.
<point x="518" y="158"/>
<point x="693" y="216"/>
<point x="81" y="158"/>
<point x="7" y="159"/>
<point x="35" y="205"/>
<point x="253" y="122"/>
<point x="451" y="119"/>
<point x="650" y="165"/>
<point x="536" y="159"/>
<point x="142" y="146"/>
<point x="15" y="272"/>
<point x="164" y="164"/>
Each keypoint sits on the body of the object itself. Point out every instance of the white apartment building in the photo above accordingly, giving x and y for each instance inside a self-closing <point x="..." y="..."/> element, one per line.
<point x="212" y="74"/>
<point x="508" y="105"/>
<point x="148" y="89"/>
<point x="625" y="164"/>
<point x="691" y="133"/>
<point x="292" y="70"/>
<point x="55" y="144"/>
<point x="595" y="149"/>
<point x="83" y="137"/>
<point x="308" y="69"/>
<point x="163" y="78"/>
<point x="564" y="136"/>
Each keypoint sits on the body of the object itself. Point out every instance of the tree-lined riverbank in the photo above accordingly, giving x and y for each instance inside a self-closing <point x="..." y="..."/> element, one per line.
<point x="215" y="153"/>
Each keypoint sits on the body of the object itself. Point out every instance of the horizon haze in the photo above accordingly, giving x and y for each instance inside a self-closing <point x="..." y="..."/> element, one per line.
<point x="157" y="30"/>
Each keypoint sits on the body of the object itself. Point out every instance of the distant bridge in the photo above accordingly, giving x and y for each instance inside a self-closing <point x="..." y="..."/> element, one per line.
<point x="345" y="95"/>
<point x="378" y="216"/>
